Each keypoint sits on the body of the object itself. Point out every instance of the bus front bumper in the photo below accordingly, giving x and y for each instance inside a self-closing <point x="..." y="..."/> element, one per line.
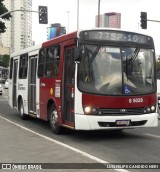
<point x="92" y="122"/>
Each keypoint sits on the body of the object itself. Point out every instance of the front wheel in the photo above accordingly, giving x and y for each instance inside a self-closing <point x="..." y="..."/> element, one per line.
<point x="21" y="110"/>
<point x="53" y="119"/>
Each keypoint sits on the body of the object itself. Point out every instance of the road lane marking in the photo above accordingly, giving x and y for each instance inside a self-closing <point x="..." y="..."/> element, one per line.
<point x="3" y="99"/>
<point x="152" y="135"/>
<point x="64" y="145"/>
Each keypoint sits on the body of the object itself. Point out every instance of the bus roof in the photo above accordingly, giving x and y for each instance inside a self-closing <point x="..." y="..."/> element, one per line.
<point x="26" y="50"/>
<point x="65" y="37"/>
<point x="59" y="39"/>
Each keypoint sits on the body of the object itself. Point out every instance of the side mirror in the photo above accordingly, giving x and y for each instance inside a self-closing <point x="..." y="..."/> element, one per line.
<point x="77" y="54"/>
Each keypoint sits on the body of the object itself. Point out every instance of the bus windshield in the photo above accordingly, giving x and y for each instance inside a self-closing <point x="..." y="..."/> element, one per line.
<point x="114" y="70"/>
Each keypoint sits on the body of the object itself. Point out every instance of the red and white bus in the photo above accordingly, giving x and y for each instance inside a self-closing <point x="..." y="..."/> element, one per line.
<point x="95" y="79"/>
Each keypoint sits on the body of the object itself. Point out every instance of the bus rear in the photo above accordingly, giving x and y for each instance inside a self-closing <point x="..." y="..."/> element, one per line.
<point x="115" y="83"/>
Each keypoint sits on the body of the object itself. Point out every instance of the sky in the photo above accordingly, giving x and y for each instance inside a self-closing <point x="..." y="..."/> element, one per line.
<point x="88" y="9"/>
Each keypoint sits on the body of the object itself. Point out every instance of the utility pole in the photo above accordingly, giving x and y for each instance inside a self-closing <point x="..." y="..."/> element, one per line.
<point x="99" y="3"/>
<point x="68" y="21"/>
<point x="77" y="15"/>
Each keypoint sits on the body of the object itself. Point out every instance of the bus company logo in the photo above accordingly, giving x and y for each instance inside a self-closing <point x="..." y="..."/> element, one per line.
<point x="123" y="110"/>
<point x="6" y="167"/>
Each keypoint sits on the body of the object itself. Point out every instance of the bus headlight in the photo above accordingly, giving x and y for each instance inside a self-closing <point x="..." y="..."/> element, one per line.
<point x="88" y="110"/>
<point x="153" y="108"/>
<point x="150" y="109"/>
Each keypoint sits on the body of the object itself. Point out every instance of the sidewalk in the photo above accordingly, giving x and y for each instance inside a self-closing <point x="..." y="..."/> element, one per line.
<point x="18" y="145"/>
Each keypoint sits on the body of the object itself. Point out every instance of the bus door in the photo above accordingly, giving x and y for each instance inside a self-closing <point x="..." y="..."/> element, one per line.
<point x="68" y="90"/>
<point x="14" y="97"/>
<point x="32" y="84"/>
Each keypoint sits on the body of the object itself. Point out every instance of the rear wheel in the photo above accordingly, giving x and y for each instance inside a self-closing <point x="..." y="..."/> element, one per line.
<point x="53" y="119"/>
<point x="21" y="110"/>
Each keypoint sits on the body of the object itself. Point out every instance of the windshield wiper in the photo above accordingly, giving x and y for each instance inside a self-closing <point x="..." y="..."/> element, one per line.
<point x="135" y="54"/>
<point x="128" y="63"/>
<point x="94" y="55"/>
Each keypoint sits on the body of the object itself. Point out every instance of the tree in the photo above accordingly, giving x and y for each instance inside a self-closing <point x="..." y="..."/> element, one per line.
<point x="3" y="10"/>
<point x="4" y="60"/>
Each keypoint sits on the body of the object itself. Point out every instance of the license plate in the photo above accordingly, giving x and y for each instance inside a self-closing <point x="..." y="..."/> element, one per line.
<point x="122" y="122"/>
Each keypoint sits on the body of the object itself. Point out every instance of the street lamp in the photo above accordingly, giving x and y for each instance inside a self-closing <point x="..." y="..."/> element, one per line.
<point x="68" y="21"/>
<point x="99" y="3"/>
<point x="77" y="15"/>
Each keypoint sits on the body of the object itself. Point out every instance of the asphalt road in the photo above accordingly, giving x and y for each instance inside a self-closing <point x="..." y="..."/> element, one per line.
<point x="129" y="146"/>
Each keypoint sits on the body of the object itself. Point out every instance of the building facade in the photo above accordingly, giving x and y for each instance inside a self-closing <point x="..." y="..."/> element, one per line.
<point x="55" y="30"/>
<point x="111" y="20"/>
<point x="19" y="29"/>
<point x="4" y="50"/>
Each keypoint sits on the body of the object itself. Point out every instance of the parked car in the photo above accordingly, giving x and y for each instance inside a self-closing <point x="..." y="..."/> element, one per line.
<point x="6" y="84"/>
<point x="0" y="89"/>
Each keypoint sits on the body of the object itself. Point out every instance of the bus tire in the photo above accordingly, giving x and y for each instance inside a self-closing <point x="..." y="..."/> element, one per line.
<point x="53" y="120"/>
<point x="21" y="110"/>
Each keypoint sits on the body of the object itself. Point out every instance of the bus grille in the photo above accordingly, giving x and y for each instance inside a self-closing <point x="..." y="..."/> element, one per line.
<point x="135" y="111"/>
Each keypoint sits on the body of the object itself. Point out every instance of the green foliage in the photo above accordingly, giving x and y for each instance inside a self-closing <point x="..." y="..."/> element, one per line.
<point x="3" y="10"/>
<point x="4" y="61"/>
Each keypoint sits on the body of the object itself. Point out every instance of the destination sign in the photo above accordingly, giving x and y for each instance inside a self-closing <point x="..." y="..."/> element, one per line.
<point x="116" y="36"/>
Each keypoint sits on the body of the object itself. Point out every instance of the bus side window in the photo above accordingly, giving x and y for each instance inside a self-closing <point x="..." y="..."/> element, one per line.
<point x="41" y="63"/>
<point x="23" y="66"/>
<point x="52" y="61"/>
